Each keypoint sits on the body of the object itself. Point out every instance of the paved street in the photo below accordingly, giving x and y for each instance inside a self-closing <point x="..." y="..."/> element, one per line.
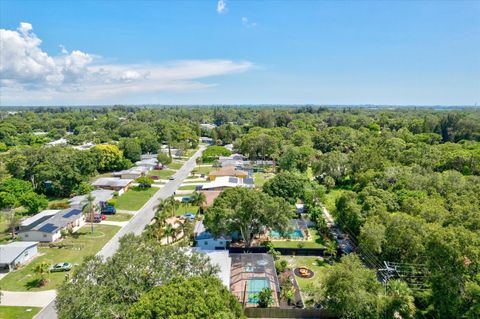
<point x="138" y="221"/>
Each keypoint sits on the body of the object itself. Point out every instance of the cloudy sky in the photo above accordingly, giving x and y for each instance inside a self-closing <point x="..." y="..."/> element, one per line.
<point x="239" y="52"/>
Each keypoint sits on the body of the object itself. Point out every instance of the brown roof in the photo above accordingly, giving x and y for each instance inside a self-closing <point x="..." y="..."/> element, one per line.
<point x="228" y="171"/>
<point x="210" y="196"/>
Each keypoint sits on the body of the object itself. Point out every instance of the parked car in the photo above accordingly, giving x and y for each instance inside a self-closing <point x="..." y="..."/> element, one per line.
<point x="109" y="210"/>
<point x="154" y="177"/>
<point x="60" y="267"/>
<point x="186" y="199"/>
<point x="172" y="178"/>
<point x="144" y="185"/>
<point x="188" y="216"/>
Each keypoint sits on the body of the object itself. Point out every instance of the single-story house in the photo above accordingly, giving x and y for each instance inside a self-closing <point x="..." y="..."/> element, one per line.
<point x="223" y="182"/>
<point x="236" y="160"/>
<point x="119" y="185"/>
<point x="132" y="173"/>
<point x="59" y="142"/>
<point x="101" y="197"/>
<point x="206" y="241"/>
<point x="84" y="147"/>
<point x="227" y="171"/>
<point x="149" y="163"/>
<point x="17" y="253"/>
<point x="37" y="218"/>
<point x="49" y="229"/>
<point x="222" y="260"/>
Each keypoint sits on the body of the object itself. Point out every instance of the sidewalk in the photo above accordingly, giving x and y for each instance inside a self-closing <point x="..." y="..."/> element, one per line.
<point x="27" y="298"/>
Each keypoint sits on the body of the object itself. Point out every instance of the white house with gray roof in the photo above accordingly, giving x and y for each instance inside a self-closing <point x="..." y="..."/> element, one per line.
<point x="48" y="228"/>
<point x="17" y="253"/>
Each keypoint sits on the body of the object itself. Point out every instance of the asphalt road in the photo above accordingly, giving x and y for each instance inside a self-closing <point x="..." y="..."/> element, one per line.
<point x="138" y="222"/>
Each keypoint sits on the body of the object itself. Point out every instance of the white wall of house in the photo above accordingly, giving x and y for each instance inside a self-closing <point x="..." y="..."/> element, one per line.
<point x="28" y="254"/>
<point x="211" y="244"/>
<point x="35" y="235"/>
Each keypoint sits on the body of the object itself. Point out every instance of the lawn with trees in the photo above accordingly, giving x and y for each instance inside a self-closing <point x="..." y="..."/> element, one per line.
<point x="135" y="198"/>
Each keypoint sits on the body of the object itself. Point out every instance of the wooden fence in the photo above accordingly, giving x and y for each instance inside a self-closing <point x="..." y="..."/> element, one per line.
<point x="287" y="313"/>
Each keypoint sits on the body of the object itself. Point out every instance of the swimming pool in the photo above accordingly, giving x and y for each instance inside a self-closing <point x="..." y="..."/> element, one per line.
<point x="254" y="286"/>
<point x="294" y="234"/>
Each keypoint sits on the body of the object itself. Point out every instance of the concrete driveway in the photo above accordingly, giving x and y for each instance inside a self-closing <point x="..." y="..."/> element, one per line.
<point x="27" y="298"/>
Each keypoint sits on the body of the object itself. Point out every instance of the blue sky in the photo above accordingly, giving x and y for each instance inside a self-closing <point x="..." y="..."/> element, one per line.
<point x="251" y="52"/>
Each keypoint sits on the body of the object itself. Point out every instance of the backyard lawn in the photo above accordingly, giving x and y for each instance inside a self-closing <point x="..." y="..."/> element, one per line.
<point x="163" y="174"/>
<point x="10" y="312"/>
<point x="79" y="245"/>
<point x="175" y="165"/>
<point x="135" y="198"/>
<point x="119" y="217"/>
<point x="260" y="178"/>
<point x="186" y="209"/>
<point x="187" y="187"/>
<point x="316" y="241"/>
<point x="316" y="264"/>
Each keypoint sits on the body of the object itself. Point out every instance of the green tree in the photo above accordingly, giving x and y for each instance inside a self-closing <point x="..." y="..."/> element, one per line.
<point x="265" y="297"/>
<point x="131" y="148"/>
<point x="163" y="158"/>
<point x="41" y="269"/>
<point x="351" y="290"/>
<point x="287" y="185"/>
<point x="372" y="236"/>
<point x="181" y="299"/>
<point x="109" y="158"/>
<point x="144" y="181"/>
<point x="33" y="202"/>
<point x="247" y="211"/>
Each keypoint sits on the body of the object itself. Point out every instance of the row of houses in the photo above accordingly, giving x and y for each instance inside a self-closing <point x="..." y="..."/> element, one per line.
<point x="240" y="162"/>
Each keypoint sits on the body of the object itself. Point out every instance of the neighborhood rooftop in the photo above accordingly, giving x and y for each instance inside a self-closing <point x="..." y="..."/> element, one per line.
<point x="61" y="219"/>
<point x="10" y="252"/>
<point x="112" y="182"/>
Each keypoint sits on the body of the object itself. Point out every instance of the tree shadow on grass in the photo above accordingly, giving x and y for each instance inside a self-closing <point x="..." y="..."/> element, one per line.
<point x="34" y="283"/>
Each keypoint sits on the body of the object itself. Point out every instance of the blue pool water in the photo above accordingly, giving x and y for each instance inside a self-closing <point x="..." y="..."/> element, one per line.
<point x="295" y="234"/>
<point x="254" y="286"/>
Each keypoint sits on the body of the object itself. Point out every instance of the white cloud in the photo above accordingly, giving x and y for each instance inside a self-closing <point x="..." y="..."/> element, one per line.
<point x="221" y="6"/>
<point x="247" y="24"/>
<point x="26" y="68"/>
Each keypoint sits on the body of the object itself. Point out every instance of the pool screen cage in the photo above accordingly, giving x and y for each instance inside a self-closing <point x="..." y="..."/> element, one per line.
<point x="298" y="224"/>
<point x="247" y="270"/>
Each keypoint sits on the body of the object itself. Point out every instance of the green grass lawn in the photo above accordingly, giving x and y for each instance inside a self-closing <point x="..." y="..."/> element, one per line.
<point x="175" y="165"/>
<point x="316" y="264"/>
<point x="163" y="174"/>
<point x="83" y="244"/>
<point x="119" y="217"/>
<point x="187" y="187"/>
<point x="260" y="178"/>
<point x="331" y="197"/>
<point x="135" y="198"/>
<point x="4" y="232"/>
<point x="190" y="152"/>
<point x="10" y="312"/>
<point x="316" y="241"/>
<point x="186" y="209"/>
<point x="203" y="170"/>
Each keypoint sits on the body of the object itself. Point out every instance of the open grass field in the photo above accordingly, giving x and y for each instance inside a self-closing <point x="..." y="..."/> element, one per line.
<point x="119" y="217"/>
<point x="260" y="178"/>
<point x="316" y="241"/>
<point x="11" y="312"/>
<point x="79" y="245"/>
<point x="186" y="209"/>
<point x="175" y="165"/>
<point x="135" y="198"/>
<point x="163" y="174"/>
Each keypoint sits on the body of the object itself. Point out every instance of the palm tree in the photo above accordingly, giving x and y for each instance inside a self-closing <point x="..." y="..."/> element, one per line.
<point x="198" y="199"/>
<point x="171" y="204"/>
<point x="41" y="269"/>
<point x="89" y="209"/>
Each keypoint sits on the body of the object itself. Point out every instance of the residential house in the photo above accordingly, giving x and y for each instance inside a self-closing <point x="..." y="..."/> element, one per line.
<point x="148" y="163"/>
<point x="49" y="227"/>
<point x="210" y="197"/>
<point x="17" y="253"/>
<point x="206" y="241"/>
<point x="119" y="185"/>
<point x="208" y="126"/>
<point x="222" y="260"/>
<point x="236" y="160"/>
<point x="207" y="140"/>
<point x="132" y="173"/>
<point x="59" y="142"/>
<point x="84" y="147"/>
<point x="224" y="182"/>
<point x="227" y="171"/>
<point x="101" y="196"/>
